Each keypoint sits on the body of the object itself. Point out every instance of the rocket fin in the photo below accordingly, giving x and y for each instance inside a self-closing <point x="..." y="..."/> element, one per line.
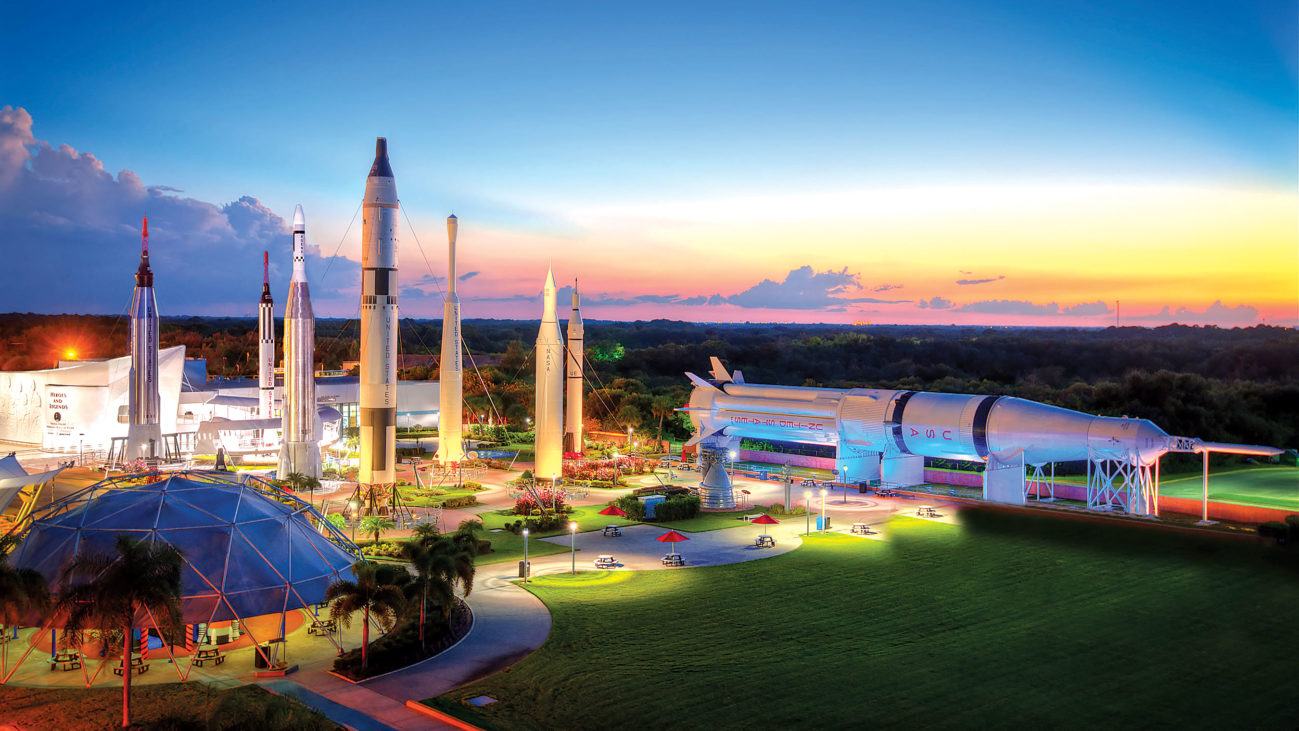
<point x="701" y="436"/>
<point x="719" y="371"/>
<point x="739" y="376"/>
<point x="701" y="383"/>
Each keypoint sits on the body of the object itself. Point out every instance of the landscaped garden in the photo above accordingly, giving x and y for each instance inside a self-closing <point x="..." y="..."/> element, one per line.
<point x="1029" y="621"/>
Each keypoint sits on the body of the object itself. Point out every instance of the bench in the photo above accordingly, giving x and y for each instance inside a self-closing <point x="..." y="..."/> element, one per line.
<point x="612" y="530"/>
<point x="605" y="562"/>
<point x="764" y="541"/>
<point x="674" y="559"/>
<point x="861" y="529"/>
<point x="65" y="661"/>
<point x="208" y="654"/>
<point x="322" y="627"/>
<point x="138" y="666"/>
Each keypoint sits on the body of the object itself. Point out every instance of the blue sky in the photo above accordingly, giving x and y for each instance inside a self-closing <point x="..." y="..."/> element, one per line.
<point x="518" y="116"/>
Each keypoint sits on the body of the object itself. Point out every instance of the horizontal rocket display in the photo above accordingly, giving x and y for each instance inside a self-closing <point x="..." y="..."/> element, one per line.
<point x="952" y="426"/>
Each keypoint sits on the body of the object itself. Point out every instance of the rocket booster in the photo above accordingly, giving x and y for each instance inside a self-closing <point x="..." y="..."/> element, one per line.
<point x="378" y="406"/>
<point x="144" y="432"/>
<point x="953" y="426"/>
<point x="573" y="405"/>
<point x="549" y="389"/>
<point x="451" y="370"/>
<point x="266" y="344"/>
<point x="300" y="436"/>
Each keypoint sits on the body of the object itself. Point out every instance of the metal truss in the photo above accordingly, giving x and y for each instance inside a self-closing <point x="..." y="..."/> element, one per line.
<point x="1124" y="485"/>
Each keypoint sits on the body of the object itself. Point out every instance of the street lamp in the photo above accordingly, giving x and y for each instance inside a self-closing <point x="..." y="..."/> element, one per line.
<point x="615" y="469"/>
<point x="572" y="530"/>
<point x="807" y="511"/>
<point x="554" y="493"/>
<point x="526" y="568"/>
<point x="733" y="455"/>
<point x="353" y="507"/>
<point x="823" y="509"/>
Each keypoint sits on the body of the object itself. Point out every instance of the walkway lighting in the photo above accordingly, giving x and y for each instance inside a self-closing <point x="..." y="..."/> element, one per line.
<point x="526" y="568"/>
<point x="572" y="530"/>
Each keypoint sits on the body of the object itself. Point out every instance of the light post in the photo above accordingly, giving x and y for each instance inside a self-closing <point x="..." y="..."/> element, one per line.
<point x="733" y="455"/>
<point x="807" y="511"/>
<point x="615" y="469"/>
<point x="572" y="530"/>
<point x="353" y="506"/>
<point x="554" y="493"/>
<point x="823" y="509"/>
<point x="81" y="449"/>
<point x="527" y="569"/>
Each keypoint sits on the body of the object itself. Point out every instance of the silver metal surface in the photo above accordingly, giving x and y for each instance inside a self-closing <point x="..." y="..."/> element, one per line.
<point x="378" y="392"/>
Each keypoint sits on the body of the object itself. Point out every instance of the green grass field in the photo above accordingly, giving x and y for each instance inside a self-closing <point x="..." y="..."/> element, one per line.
<point x="1269" y="487"/>
<point x="1011" y="621"/>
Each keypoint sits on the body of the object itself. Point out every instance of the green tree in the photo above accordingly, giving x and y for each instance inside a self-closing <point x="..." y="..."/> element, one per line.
<point x="372" y="593"/>
<point x="662" y="407"/>
<point x="108" y="592"/>
<point x="299" y="482"/>
<point x="337" y="520"/>
<point x="443" y="562"/>
<point x="22" y="592"/>
<point x="376" y="523"/>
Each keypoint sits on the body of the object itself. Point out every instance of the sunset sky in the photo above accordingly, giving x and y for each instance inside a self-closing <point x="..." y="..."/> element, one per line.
<point x="1008" y="163"/>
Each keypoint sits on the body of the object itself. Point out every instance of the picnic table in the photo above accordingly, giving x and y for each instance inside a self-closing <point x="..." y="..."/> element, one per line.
<point x="66" y="660"/>
<point x="605" y="562"/>
<point x="674" y="559"/>
<point x="208" y="653"/>
<point x="927" y="511"/>
<point x="138" y="665"/>
<point x="764" y="541"/>
<point x="322" y="627"/>
<point x="612" y="530"/>
<point x="862" y="529"/>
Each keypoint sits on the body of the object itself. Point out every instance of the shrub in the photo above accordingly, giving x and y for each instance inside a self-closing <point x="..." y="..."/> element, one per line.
<point x="1275" y="531"/>
<point x="634" y="508"/>
<point x="550" y="500"/>
<point x="1292" y="521"/>
<point x="387" y="549"/>
<point x="539" y="524"/>
<point x="452" y="503"/>
<point x="527" y="475"/>
<point x="677" y="507"/>
<point x="471" y="485"/>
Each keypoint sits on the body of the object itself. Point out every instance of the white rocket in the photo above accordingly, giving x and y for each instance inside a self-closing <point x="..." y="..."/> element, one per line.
<point x="378" y="407"/>
<point x="144" y="432"/>
<point x="549" y="390"/>
<point x="300" y="436"/>
<point x="451" y="371"/>
<point x="573" y="414"/>
<point x="266" y="344"/>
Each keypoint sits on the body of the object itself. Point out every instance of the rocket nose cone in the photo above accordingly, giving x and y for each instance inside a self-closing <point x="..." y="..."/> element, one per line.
<point x="299" y="220"/>
<point x="381" y="168"/>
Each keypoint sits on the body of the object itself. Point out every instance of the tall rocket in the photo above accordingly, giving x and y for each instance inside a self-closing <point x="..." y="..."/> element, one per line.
<point x="378" y="407"/>
<point x="573" y="416"/>
<point x="451" y="371"/>
<point x="144" y="432"/>
<point x="549" y="390"/>
<point x="300" y="436"/>
<point x="266" y="344"/>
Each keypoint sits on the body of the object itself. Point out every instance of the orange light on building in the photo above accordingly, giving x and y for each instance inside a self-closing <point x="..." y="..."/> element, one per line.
<point x="70" y="354"/>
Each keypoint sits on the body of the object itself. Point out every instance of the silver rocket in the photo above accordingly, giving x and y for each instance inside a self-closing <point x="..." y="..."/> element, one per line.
<point x="300" y="435"/>
<point x="266" y="344"/>
<point x="378" y="407"/>
<point x="573" y="414"/>
<point x="144" y="431"/>
<point x="549" y="390"/>
<point x="451" y="371"/>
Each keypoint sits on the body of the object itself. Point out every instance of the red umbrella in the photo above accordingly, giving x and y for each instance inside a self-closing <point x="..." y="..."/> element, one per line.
<point x="672" y="537"/>
<point x="614" y="510"/>
<point x="765" y="519"/>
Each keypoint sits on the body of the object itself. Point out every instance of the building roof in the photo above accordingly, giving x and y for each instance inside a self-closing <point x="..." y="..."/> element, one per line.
<point x="249" y="548"/>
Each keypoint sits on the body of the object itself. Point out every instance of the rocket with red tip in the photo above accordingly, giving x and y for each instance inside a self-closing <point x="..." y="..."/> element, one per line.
<point x="144" y="407"/>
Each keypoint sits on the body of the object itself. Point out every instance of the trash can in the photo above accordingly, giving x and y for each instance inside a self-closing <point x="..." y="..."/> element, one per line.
<point x="863" y="487"/>
<point x="525" y="569"/>
<point x="259" y="658"/>
<point x="823" y="523"/>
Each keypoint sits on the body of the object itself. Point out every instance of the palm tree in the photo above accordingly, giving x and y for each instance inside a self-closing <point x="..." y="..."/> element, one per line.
<point x="376" y="523"/>
<point x="662" y="407"/>
<point x="442" y="562"/>
<point x="107" y="592"/>
<point x="299" y="482"/>
<point x="370" y="594"/>
<point x="22" y="592"/>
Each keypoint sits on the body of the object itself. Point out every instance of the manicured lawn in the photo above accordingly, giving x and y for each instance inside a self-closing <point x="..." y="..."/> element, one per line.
<point x="173" y="706"/>
<point x="413" y="500"/>
<point x="717" y="521"/>
<point x="587" y="518"/>
<point x="1269" y="487"/>
<point x="1011" y="621"/>
<point x="508" y="547"/>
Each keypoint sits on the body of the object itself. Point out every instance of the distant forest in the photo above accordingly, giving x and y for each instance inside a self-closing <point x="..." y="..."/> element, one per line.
<point x="1237" y="385"/>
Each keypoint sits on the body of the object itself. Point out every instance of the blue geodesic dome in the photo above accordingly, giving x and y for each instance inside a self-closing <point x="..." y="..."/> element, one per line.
<point x="249" y="548"/>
